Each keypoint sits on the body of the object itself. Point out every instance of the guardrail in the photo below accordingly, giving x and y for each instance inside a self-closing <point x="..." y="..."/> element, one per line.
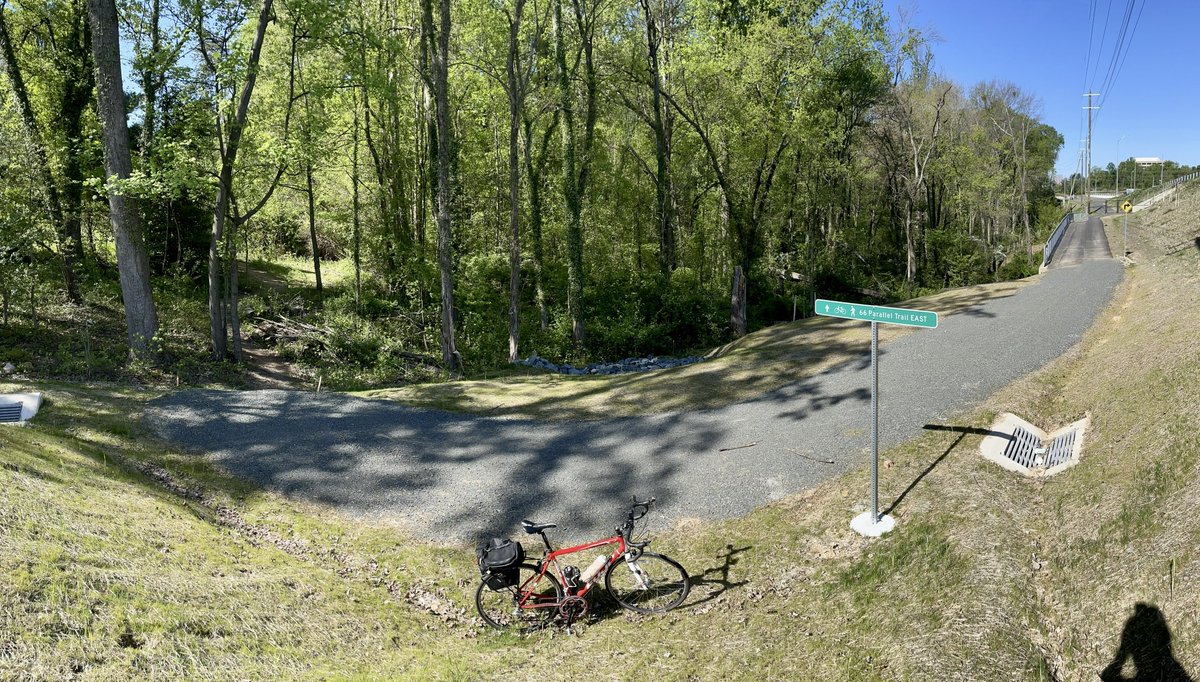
<point x="1055" y="238"/>
<point x="1170" y="186"/>
<point x="1143" y="198"/>
<point x="1180" y="180"/>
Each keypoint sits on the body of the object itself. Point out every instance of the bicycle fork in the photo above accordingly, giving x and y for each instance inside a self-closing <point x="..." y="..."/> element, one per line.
<point x="639" y="575"/>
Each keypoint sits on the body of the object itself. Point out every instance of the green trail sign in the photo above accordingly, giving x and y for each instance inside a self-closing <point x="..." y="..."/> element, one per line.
<point x="872" y="523"/>
<point x="877" y="313"/>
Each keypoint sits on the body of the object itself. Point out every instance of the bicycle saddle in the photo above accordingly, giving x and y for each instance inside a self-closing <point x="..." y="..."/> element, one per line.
<point x="535" y="528"/>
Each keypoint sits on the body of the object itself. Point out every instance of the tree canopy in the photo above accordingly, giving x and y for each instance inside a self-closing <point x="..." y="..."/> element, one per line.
<point x="576" y="178"/>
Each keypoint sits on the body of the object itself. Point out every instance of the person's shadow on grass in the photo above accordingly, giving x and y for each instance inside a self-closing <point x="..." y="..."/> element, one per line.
<point x="1146" y="640"/>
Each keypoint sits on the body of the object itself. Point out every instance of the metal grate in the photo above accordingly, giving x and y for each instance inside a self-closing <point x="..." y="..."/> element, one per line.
<point x="10" y="412"/>
<point x="1023" y="447"/>
<point x="1061" y="448"/>
<point x="1019" y="446"/>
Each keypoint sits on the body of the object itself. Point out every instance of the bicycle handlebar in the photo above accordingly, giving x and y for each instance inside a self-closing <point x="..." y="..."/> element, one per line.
<point x="636" y="511"/>
<point x="645" y="506"/>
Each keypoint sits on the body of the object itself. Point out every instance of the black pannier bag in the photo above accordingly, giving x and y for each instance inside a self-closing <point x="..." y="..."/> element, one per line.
<point x="498" y="561"/>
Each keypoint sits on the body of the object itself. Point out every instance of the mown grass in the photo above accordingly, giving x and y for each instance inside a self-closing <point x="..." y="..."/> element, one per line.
<point x="112" y="570"/>
<point x="110" y="574"/>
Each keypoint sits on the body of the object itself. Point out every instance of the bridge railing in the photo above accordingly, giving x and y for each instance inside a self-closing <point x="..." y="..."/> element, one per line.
<point x="1055" y="238"/>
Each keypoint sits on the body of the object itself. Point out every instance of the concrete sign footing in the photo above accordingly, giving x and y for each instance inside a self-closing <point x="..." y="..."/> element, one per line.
<point x="864" y="525"/>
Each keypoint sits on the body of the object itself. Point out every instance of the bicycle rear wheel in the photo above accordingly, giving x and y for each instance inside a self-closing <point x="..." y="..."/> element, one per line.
<point x="529" y="604"/>
<point x="652" y="584"/>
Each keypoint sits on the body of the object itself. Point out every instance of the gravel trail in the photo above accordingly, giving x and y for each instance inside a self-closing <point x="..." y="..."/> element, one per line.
<point x="459" y="477"/>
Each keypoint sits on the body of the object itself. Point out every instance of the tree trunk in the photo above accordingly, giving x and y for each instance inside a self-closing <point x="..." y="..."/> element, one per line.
<point x="225" y="186"/>
<point x="152" y="75"/>
<point x="533" y="171"/>
<point x="571" y="189"/>
<point x="150" y="86"/>
<point x="133" y="266"/>
<point x="662" y="151"/>
<point x="78" y="84"/>
<point x="429" y="178"/>
<point x="515" y="105"/>
<point x="388" y="248"/>
<point x="441" y="94"/>
<point x="355" y="213"/>
<point x="737" y="307"/>
<point x="53" y="203"/>
<point x="235" y="315"/>
<point x="910" y="268"/>
<point x="312" y="231"/>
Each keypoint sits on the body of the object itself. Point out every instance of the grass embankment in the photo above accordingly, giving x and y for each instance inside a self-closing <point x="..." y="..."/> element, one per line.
<point x="765" y="360"/>
<point x="110" y="573"/>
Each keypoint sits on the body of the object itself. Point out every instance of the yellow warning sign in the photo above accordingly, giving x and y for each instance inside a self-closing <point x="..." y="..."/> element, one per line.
<point x="1126" y="207"/>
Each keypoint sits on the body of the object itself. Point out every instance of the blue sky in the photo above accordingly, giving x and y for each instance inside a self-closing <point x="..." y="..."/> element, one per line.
<point x="1042" y="46"/>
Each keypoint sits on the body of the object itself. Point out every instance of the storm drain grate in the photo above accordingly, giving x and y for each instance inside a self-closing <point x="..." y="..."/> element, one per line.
<point x="1019" y="446"/>
<point x="10" y="412"/>
<point x="1061" y="448"/>
<point x="18" y="408"/>
<point x="1023" y="447"/>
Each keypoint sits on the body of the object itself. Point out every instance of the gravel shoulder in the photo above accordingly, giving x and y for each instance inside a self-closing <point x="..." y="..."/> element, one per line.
<point x="453" y="476"/>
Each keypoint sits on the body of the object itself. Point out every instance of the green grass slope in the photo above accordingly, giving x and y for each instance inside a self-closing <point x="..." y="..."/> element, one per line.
<point x="122" y="558"/>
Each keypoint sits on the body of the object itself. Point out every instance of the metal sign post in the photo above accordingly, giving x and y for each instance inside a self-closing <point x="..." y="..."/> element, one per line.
<point x="875" y="427"/>
<point x="871" y="523"/>
<point x="1126" y="208"/>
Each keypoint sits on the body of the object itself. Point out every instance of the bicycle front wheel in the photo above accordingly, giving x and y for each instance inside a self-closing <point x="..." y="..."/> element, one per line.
<point x="651" y="584"/>
<point x="529" y="604"/>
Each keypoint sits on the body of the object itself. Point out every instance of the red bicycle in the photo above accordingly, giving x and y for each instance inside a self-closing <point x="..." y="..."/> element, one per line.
<point x="530" y="595"/>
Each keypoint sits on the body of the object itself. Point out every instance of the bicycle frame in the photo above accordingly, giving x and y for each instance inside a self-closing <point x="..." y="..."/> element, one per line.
<point x="552" y="558"/>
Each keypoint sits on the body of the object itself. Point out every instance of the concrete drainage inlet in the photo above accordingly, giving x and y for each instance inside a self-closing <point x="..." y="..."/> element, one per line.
<point x="18" y="408"/>
<point x="1019" y="446"/>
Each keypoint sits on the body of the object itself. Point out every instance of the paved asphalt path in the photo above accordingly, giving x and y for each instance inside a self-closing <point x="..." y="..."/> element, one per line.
<point x="453" y="476"/>
<point x="1083" y="241"/>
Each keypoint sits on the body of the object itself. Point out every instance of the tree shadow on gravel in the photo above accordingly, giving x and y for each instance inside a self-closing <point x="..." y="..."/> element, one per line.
<point x="447" y="476"/>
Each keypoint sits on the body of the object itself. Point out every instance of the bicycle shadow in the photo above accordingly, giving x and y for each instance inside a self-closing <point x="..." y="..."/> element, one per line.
<point x="722" y="583"/>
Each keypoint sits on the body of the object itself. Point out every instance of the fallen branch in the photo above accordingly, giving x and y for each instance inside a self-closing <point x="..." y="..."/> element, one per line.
<point x="811" y="459"/>
<point x="739" y="447"/>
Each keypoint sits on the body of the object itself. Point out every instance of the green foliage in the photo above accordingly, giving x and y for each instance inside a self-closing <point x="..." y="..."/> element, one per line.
<point x="788" y="126"/>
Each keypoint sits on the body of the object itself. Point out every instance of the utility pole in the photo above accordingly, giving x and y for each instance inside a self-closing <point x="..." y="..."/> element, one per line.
<point x="1087" y="177"/>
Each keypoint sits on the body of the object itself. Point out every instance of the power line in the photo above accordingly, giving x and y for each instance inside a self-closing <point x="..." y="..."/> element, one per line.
<point x="1103" y="39"/>
<point x="1112" y="83"/>
<point x="1121" y="33"/>
<point x="1116" y="53"/>
<point x="1087" y="62"/>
